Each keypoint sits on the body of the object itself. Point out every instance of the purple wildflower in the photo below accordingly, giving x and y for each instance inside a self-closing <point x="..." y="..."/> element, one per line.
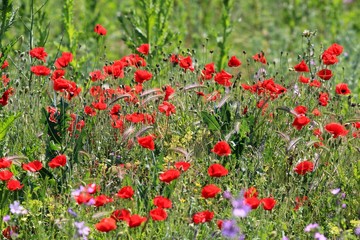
<point x="90" y="202"/>
<point x="227" y="195"/>
<point x="77" y="192"/>
<point x="72" y="212"/>
<point x="230" y="229"/>
<point x="335" y="191"/>
<point x="240" y="209"/>
<point x="357" y="231"/>
<point x="16" y="208"/>
<point x="311" y="226"/>
<point x="82" y="229"/>
<point x="319" y="236"/>
<point x="6" y="218"/>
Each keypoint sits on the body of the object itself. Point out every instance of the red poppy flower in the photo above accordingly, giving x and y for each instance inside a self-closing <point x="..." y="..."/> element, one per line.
<point x="5" y="97"/>
<point x="324" y="74"/>
<point x="260" y="57"/>
<point x="167" y="108"/>
<point x="217" y="170"/>
<point x="316" y="112"/>
<point x="96" y="76"/>
<point x="304" y="167"/>
<point x="169" y="175"/>
<point x="300" y="109"/>
<point x="223" y="78"/>
<point x="101" y="200"/>
<point x="33" y="166"/>
<point x="100" y="30"/>
<point x="106" y="225"/>
<point x="126" y="192"/>
<point x="317" y="132"/>
<point x="89" y="111"/>
<point x="253" y="202"/>
<point x="186" y="63"/>
<point x="135" y="117"/>
<point x="58" y="73"/>
<point x="158" y="214"/>
<point x="328" y="58"/>
<point x="99" y="105"/>
<point x="13" y="185"/>
<point x="92" y="188"/>
<point x="168" y="92"/>
<point x="141" y="76"/>
<point x="135" y="220"/>
<point x="202" y="217"/>
<point x="174" y="58"/>
<point x="234" y="62"/>
<point x="268" y="203"/>
<point x="115" y="109"/>
<point x="38" y="53"/>
<point x="147" y="142"/>
<point x="304" y="79"/>
<point x="299" y="202"/>
<point x="210" y="191"/>
<point x="251" y="192"/>
<point x="342" y="89"/>
<point x="335" y="49"/>
<point x="144" y="49"/>
<point x="5" y="175"/>
<point x="58" y="161"/>
<point x="5" y="79"/>
<point x="208" y="71"/>
<point x="10" y="231"/>
<point x="323" y="99"/>
<point x="222" y="148"/>
<point x="40" y="70"/>
<point x="162" y="202"/>
<point x="83" y="198"/>
<point x="184" y="166"/>
<point x="64" y="60"/>
<point x="5" y="163"/>
<point x="302" y="67"/>
<point x="315" y="83"/>
<point x="219" y="224"/>
<point x="300" y="122"/>
<point x="5" y="64"/>
<point x="121" y="215"/>
<point x="336" y="129"/>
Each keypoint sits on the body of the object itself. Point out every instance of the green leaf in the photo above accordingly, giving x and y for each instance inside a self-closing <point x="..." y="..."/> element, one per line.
<point x="5" y="125"/>
<point x="210" y="121"/>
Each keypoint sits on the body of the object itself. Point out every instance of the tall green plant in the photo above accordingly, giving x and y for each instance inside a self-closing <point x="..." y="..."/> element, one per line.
<point x="69" y="27"/>
<point x="8" y="14"/>
<point x="149" y="23"/>
<point x="227" y="29"/>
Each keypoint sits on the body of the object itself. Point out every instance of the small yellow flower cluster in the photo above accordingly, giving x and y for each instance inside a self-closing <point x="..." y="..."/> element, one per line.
<point x="355" y="223"/>
<point x="334" y="230"/>
<point x="188" y="137"/>
<point x="168" y="158"/>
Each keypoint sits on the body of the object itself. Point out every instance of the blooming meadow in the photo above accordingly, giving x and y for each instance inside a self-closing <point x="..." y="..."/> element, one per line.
<point x="171" y="142"/>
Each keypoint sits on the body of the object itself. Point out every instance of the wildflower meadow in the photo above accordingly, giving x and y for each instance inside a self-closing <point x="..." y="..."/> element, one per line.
<point x="167" y="119"/>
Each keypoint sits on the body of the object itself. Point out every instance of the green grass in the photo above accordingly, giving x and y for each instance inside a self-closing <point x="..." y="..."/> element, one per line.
<point x="265" y="146"/>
